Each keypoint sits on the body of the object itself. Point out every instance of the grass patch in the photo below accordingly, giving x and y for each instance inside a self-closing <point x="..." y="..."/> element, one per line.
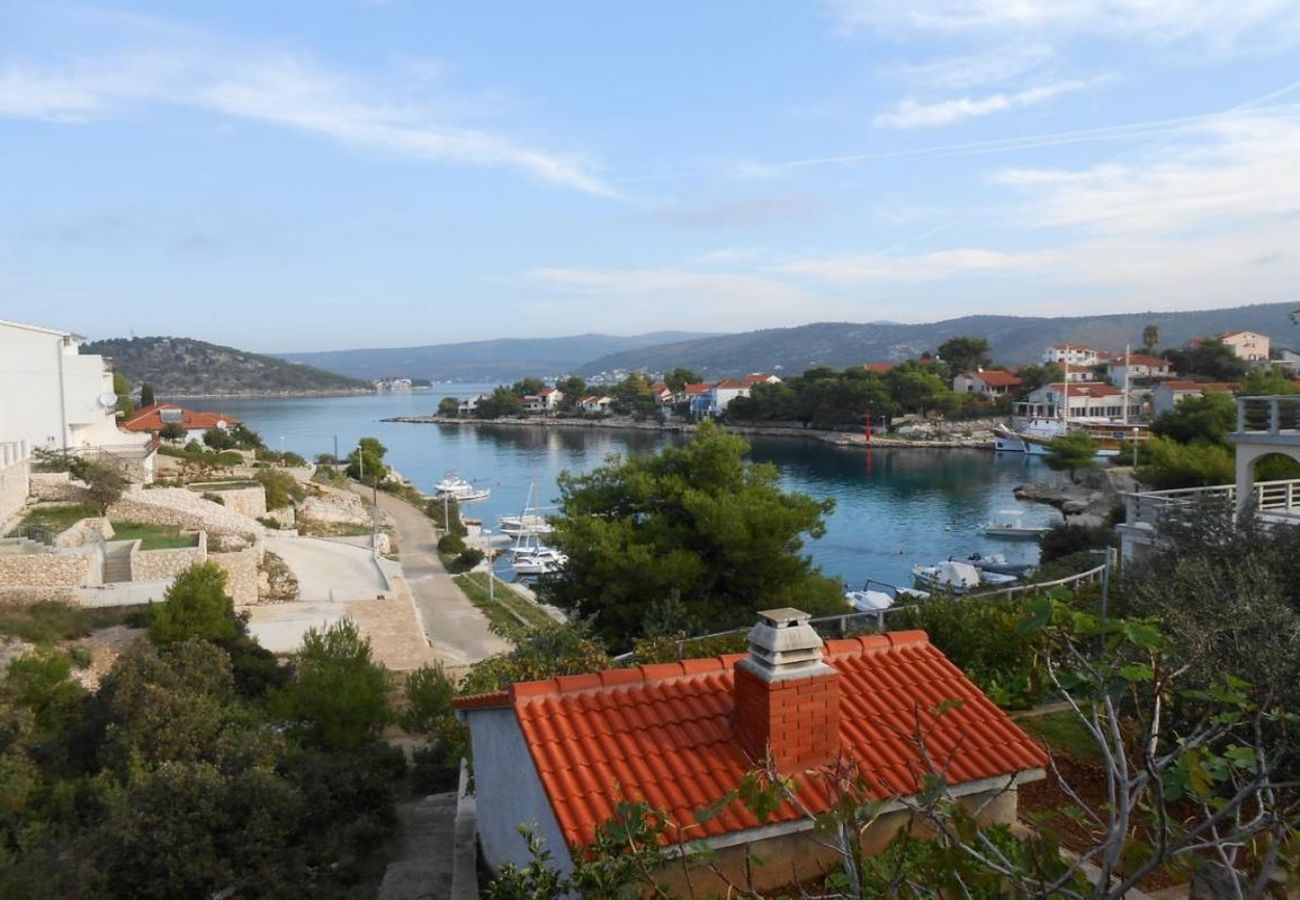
<point x="154" y="537"/>
<point x="1063" y="734"/>
<point x="235" y="484"/>
<point x="57" y="518"/>
<point x="48" y="622"/>
<point x="498" y="610"/>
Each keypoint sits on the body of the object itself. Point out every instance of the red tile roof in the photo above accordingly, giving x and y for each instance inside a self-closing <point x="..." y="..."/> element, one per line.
<point x="1141" y="359"/>
<point x="996" y="378"/>
<point x="696" y="388"/>
<point x="754" y="378"/>
<point x="150" y="418"/>
<point x="731" y="384"/>
<point x="1196" y="386"/>
<point x="1086" y="389"/>
<point x="663" y="734"/>
<point x="879" y="366"/>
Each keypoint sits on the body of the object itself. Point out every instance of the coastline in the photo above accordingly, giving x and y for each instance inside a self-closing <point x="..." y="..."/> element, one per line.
<point x="268" y="395"/>
<point x="836" y="438"/>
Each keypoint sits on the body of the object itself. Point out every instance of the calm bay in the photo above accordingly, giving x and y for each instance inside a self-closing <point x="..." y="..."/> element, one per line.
<point x="894" y="507"/>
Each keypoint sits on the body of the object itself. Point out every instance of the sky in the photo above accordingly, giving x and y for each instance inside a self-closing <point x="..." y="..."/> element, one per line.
<point x="331" y="174"/>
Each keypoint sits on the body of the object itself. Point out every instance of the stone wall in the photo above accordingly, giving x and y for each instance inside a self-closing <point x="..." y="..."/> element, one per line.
<point x="13" y="488"/>
<point x="241" y="573"/>
<point x="159" y="565"/>
<point x="250" y="501"/>
<point x="50" y="569"/>
<point x="87" y="531"/>
<point x="183" y="508"/>
<point x="11" y="595"/>
<point x="56" y="486"/>
<point x="333" y="505"/>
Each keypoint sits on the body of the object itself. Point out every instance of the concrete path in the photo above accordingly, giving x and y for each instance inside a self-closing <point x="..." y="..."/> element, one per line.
<point x="423" y="867"/>
<point x="327" y="571"/>
<point x="457" y="631"/>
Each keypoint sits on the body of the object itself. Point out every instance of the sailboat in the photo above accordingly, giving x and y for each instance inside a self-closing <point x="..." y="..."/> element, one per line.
<point x="530" y="521"/>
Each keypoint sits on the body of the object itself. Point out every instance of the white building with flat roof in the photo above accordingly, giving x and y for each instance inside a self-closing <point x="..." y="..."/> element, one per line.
<point x="53" y="397"/>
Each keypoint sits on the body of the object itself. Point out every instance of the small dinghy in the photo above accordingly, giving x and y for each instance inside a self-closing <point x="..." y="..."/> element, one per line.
<point x="997" y="563"/>
<point x="952" y="576"/>
<point x="877" y="595"/>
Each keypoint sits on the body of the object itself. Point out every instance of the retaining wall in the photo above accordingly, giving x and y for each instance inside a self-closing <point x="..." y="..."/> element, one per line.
<point x="249" y="501"/>
<point x="159" y="565"/>
<point x="56" y="486"/>
<point x="51" y="569"/>
<point x="241" y="573"/>
<point x="83" y="533"/>
<point x="183" y="508"/>
<point x="11" y="595"/>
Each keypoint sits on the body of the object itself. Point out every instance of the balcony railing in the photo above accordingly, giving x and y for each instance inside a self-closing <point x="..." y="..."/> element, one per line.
<point x="1278" y="415"/>
<point x="1276" y="497"/>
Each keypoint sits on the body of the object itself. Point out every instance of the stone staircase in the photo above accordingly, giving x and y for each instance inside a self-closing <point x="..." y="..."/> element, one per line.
<point x="423" y="867"/>
<point x="117" y="565"/>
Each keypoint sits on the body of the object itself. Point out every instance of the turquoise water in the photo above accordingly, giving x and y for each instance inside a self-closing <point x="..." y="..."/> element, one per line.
<point x="893" y="507"/>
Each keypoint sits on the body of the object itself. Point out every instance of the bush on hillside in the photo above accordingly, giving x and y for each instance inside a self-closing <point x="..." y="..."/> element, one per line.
<point x="451" y="544"/>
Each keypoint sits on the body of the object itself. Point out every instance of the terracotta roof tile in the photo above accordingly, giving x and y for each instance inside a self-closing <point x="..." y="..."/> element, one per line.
<point x="662" y="732"/>
<point x="150" y="418"/>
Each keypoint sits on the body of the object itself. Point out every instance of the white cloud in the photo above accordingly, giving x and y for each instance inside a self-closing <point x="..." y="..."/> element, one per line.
<point x="918" y="268"/>
<point x="1239" y="169"/>
<point x="913" y="114"/>
<point x="282" y="90"/>
<point x="1215" y="25"/>
<point x="976" y="70"/>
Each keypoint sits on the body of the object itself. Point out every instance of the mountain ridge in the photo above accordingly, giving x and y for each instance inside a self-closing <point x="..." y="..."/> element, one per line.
<point x="1013" y="339"/>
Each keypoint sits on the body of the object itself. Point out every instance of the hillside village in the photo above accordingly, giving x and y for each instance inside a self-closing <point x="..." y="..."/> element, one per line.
<point x="327" y="596"/>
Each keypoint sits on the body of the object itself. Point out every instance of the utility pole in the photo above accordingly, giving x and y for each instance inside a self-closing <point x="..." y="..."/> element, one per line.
<point x="336" y="450"/>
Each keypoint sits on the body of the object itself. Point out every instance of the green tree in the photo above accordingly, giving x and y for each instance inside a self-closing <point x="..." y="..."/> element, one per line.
<point x="565" y="648"/>
<point x="634" y="395"/>
<point x="146" y="395"/>
<point x="679" y="377"/>
<point x="1150" y="337"/>
<point x="366" y="463"/>
<point x="527" y="386"/>
<point x="195" y="606"/>
<point x="219" y="439"/>
<point x="502" y="402"/>
<point x="282" y="489"/>
<point x="448" y="406"/>
<point x="1035" y="376"/>
<point x="337" y="698"/>
<point x="919" y="387"/>
<point x="245" y="438"/>
<point x="1267" y="380"/>
<point x="172" y="431"/>
<point x="1071" y="452"/>
<point x="1212" y="359"/>
<point x="964" y="354"/>
<point x="1210" y="416"/>
<point x="104" y="483"/>
<point x="122" y="387"/>
<point x="697" y="522"/>
<point x="572" y="388"/>
<point x="1167" y="464"/>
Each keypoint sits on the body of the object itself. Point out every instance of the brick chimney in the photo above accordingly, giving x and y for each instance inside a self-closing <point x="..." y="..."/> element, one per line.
<point x="787" y="701"/>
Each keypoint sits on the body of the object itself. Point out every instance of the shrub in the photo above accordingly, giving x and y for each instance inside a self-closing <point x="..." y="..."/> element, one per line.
<point x="451" y="544"/>
<point x="1066" y="540"/>
<point x="282" y="489"/>
<point x="218" y="439"/>
<point x="172" y="431"/>
<point x="467" y="559"/>
<point x="214" y="498"/>
<point x="197" y="606"/>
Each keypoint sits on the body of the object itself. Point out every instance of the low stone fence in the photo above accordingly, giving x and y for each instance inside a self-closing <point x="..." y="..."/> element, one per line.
<point x="56" y="486"/>
<point x="159" y="565"/>
<point x="241" y="573"/>
<point x="87" y="531"/>
<point x="183" y="508"/>
<point x="247" y="501"/>
<point x="68" y="569"/>
<point x="21" y="595"/>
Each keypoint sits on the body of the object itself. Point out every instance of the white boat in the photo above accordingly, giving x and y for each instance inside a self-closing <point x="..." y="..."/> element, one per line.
<point x="460" y="490"/>
<point x="876" y="595"/>
<point x="951" y="575"/>
<point x="528" y="523"/>
<point x="1009" y="524"/>
<point x="997" y="562"/>
<point x="996" y="579"/>
<point x="543" y="562"/>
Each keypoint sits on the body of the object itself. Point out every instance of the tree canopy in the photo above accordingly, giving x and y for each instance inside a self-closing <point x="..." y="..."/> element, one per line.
<point x="1072" y="452"/>
<point x="963" y="354"/>
<point x="696" y="525"/>
<point x="1212" y="359"/>
<point x="366" y="463"/>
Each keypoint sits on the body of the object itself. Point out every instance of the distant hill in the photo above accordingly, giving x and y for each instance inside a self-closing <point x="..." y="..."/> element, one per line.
<point x="506" y="359"/>
<point x="1013" y="340"/>
<point x="178" y="367"/>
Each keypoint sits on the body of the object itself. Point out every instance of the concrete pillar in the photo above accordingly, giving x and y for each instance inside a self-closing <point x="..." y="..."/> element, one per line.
<point x="1245" y="477"/>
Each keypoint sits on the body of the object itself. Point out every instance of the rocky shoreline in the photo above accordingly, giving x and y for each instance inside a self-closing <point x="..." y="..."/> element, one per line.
<point x="968" y="439"/>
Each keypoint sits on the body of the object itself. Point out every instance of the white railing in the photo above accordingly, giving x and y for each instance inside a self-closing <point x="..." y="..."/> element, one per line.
<point x="1149" y="506"/>
<point x="1268" y="415"/>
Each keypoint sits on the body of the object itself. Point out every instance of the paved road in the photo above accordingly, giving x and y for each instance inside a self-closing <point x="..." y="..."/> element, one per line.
<point x="329" y="571"/>
<point x="456" y="629"/>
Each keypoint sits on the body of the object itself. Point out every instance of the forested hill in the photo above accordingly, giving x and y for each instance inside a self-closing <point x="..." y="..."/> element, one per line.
<point x="1013" y="339"/>
<point x="178" y="367"/>
<point x="505" y="359"/>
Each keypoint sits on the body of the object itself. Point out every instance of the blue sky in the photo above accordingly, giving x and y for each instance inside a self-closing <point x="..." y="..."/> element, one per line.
<point x="343" y="173"/>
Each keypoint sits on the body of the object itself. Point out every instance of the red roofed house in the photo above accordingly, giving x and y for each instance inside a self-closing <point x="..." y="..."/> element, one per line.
<point x="721" y="394"/>
<point x="663" y="394"/>
<point x="561" y="754"/>
<point x="1091" y="400"/>
<point x="153" y="419"/>
<point x="544" y="400"/>
<point x="990" y="383"/>
<point x="595" y="404"/>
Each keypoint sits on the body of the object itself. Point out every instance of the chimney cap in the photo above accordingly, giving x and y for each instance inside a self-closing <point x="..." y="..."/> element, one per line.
<point x="784" y="617"/>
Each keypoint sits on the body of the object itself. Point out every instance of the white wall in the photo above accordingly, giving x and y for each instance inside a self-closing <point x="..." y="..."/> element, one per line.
<point x="508" y="792"/>
<point x="13" y="482"/>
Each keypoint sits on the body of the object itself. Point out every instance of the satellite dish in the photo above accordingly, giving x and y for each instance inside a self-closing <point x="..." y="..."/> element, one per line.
<point x="221" y="423"/>
<point x="107" y="400"/>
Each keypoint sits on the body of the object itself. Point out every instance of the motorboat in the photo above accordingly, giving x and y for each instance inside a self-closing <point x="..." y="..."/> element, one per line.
<point x="952" y="576"/>
<point x="525" y="524"/>
<point x="460" y="490"/>
<point x="542" y="562"/>
<point x="997" y="579"/>
<point x="1010" y="524"/>
<point x="997" y="564"/>
<point x="876" y="595"/>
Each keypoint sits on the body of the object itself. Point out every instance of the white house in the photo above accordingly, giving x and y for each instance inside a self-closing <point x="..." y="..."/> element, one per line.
<point x="1072" y="354"/>
<point x="990" y="384"/>
<point x="543" y="401"/>
<point x="467" y="406"/>
<point x="1089" y="401"/>
<point x="1168" y="394"/>
<point x="54" y="397"/>
<point x="1137" y="365"/>
<point x="595" y="404"/>
<point x="152" y="419"/>
<point x="1289" y="359"/>
<point x="718" y="396"/>
<point x="1248" y="345"/>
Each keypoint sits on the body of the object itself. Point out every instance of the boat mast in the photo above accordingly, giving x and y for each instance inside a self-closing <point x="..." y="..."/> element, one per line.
<point x="1065" y="390"/>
